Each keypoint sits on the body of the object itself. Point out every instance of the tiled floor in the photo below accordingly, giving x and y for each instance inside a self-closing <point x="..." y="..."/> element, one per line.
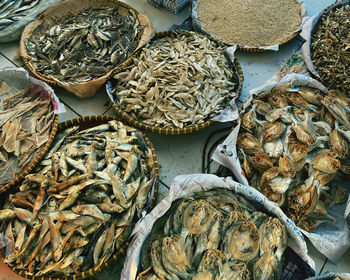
<point x="183" y="154"/>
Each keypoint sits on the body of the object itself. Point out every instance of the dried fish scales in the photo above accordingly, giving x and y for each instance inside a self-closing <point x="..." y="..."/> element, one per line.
<point x="251" y="23"/>
<point x="330" y="48"/>
<point x="298" y="168"/>
<point x="75" y="221"/>
<point x="85" y="46"/>
<point x="176" y="82"/>
<point x="25" y="125"/>
<point x="213" y="235"/>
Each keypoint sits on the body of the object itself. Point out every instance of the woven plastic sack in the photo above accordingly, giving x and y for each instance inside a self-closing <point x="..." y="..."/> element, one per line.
<point x="13" y="32"/>
<point x="174" y="6"/>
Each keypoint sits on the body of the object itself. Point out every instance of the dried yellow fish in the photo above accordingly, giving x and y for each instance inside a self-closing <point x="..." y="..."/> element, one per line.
<point x="291" y="138"/>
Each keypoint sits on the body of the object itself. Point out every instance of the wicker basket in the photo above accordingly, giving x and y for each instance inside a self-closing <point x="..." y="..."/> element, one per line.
<point x="168" y="131"/>
<point x="86" y="122"/>
<point x="85" y="89"/>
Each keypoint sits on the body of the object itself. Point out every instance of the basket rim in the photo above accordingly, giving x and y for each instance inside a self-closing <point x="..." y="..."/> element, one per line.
<point x="255" y="49"/>
<point x="121" y="252"/>
<point x="36" y="160"/>
<point x="50" y="80"/>
<point x="171" y="131"/>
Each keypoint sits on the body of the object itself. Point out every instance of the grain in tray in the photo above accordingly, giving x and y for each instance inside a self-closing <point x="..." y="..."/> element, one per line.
<point x="292" y="144"/>
<point x="26" y="120"/>
<point x="250" y="23"/>
<point x="79" y="205"/>
<point x="176" y="82"/>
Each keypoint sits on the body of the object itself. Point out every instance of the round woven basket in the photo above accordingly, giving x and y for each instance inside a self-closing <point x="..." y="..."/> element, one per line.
<point x="51" y="80"/>
<point x="168" y="131"/>
<point x="87" y="122"/>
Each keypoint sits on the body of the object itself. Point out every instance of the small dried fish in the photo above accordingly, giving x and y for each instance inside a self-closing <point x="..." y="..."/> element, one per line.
<point x="177" y="82"/>
<point x="60" y="214"/>
<point x="85" y="46"/>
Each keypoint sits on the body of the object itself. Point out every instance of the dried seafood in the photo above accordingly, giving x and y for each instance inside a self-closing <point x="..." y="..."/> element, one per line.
<point x="177" y="82"/>
<point x="214" y="235"/>
<point x="250" y="23"/>
<point x="12" y="11"/>
<point x="292" y="142"/>
<point x="330" y="48"/>
<point x="25" y="124"/>
<point x="86" y="46"/>
<point x="79" y="206"/>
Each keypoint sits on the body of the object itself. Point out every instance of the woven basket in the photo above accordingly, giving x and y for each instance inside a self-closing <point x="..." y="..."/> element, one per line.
<point x="87" y="122"/>
<point x="50" y="80"/>
<point x="168" y="131"/>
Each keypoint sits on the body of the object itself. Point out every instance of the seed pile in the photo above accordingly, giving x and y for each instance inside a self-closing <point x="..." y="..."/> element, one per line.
<point x="79" y="206"/>
<point x="177" y="82"/>
<point x="291" y="143"/>
<point x="214" y="235"/>
<point x="250" y="22"/>
<point x="330" y="49"/>
<point x="14" y="10"/>
<point x="86" y="46"/>
<point x="25" y="125"/>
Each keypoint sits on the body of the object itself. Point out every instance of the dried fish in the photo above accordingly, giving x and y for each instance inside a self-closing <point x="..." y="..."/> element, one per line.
<point x="85" y="46"/>
<point x="59" y="215"/>
<point x="245" y="241"/>
<point x="329" y="50"/>
<point x="24" y="130"/>
<point x="177" y="81"/>
<point x="299" y="139"/>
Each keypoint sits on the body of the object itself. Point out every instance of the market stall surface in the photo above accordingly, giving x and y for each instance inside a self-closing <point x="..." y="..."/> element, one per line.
<point x="181" y="154"/>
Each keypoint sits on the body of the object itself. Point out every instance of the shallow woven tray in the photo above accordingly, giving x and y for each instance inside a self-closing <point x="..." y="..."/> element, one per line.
<point x="243" y="47"/>
<point x="50" y="80"/>
<point x="29" y="168"/>
<point x="168" y="131"/>
<point x="86" y="122"/>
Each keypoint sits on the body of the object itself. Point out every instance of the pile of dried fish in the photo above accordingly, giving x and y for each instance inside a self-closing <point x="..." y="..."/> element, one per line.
<point x="214" y="235"/>
<point x="25" y="125"/>
<point x="14" y="10"/>
<point x="177" y="82"/>
<point x="79" y="208"/>
<point x="330" y="48"/>
<point x="86" y="46"/>
<point x="291" y="143"/>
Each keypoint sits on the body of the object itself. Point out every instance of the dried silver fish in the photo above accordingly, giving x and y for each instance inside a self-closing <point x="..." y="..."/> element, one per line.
<point x="71" y="215"/>
<point x="85" y="46"/>
<point x="177" y="81"/>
